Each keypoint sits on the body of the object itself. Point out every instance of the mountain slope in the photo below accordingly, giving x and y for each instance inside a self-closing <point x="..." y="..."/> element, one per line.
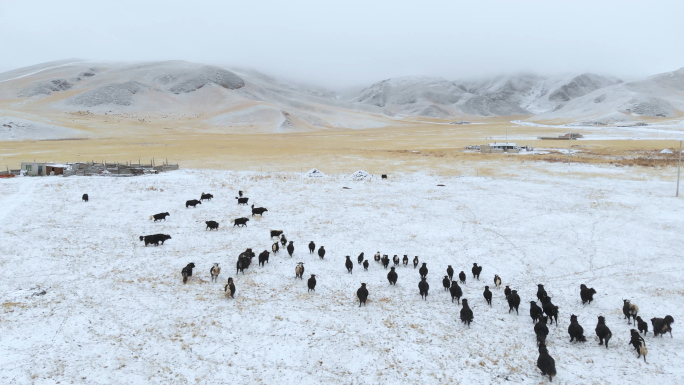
<point x="504" y="95"/>
<point x="149" y="92"/>
<point x="101" y="97"/>
<point x="659" y="96"/>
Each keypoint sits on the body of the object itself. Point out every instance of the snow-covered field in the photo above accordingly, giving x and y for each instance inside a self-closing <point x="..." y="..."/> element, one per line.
<point x="116" y="312"/>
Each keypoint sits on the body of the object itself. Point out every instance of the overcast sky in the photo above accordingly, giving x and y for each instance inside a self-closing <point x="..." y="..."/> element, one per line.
<point x="348" y="43"/>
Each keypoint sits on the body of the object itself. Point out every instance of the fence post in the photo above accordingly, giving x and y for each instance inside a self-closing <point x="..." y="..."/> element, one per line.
<point x="679" y="166"/>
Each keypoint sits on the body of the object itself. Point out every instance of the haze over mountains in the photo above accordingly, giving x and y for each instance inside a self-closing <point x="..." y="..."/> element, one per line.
<point x="216" y="97"/>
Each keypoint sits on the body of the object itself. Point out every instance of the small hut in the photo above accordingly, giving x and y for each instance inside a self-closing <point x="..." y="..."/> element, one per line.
<point x="43" y="169"/>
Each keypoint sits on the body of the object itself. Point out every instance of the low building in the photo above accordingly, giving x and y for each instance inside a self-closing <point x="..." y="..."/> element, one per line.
<point x="493" y="148"/>
<point x="573" y="135"/>
<point x="41" y="168"/>
<point x="91" y="168"/>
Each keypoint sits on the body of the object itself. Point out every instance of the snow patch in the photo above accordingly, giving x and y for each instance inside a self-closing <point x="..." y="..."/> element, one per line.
<point x="360" y="175"/>
<point x="314" y="173"/>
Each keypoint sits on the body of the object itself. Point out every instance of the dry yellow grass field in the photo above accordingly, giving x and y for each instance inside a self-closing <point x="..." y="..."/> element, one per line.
<point x="404" y="146"/>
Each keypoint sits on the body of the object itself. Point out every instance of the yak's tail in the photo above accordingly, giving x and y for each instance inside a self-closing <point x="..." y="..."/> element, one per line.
<point x="141" y="237"/>
<point x="185" y="278"/>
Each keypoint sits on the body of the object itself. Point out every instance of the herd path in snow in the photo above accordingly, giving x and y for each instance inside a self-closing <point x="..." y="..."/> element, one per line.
<point x="115" y="311"/>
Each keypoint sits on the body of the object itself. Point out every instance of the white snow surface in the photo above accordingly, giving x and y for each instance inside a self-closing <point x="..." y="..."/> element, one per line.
<point x="13" y="128"/>
<point x="116" y="311"/>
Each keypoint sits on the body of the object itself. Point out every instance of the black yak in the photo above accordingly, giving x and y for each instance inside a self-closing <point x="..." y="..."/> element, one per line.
<point x="84" y="198"/>
<point x="276" y="233"/>
<point x="541" y="331"/>
<point x="365" y="265"/>
<point x="240" y="222"/>
<point x="513" y="301"/>
<point x="550" y="309"/>
<point x="546" y="363"/>
<point x="258" y="210"/>
<point x="488" y="296"/>
<point x="321" y="252"/>
<point x="349" y="264"/>
<point x="541" y="293"/>
<point x="155" y="239"/>
<point x="423" y="270"/>
<point x="462" y="277"/>
<point x="243" y="263"/>
<point x="536" y="313"/>
<point x="311" y="283"/>
<point x="159" y="217"/>
<point x="602" y="331"/>
<point x="193" y="203"/>
<point x="385" y="261"/>
<point x="362" y="292"/>
<point x="476" y="271"/>
<point x="456" y="292"/>
<point x="395" y="259"/>
<point x="212" y="225"/>
<point x="359" y="259"/>
<point x="283" y="240"/>
<point x="263" y="258"/>
<point x="206" y="196"/>
<point x="186" y="272"/>
<point x="290" y="248"/>
<point x="446" y="282"/>
<point x="423" y="288"/>
<point x="392" y="276"/>
<point x="312" y="247"/>
<point x="643" y="326"/>
<point x="507" y="291"/>
<point x="662" y="325"/>
<point x="242" y="201"/>
<point x="575" y="330"/>
<point x="466" y="313"/>
<point x="415" y="261"/>
<point x="450" y="273"/>
<point x="586" y="294"/>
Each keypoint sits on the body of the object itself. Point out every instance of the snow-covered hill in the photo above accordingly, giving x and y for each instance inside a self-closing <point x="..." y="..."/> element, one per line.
<point x="244" y="100"/>
<point x="503" y="95"/>
<point x="219" y="97"/>
<point x="84" y="301"/>
<point x="657" y="96"/>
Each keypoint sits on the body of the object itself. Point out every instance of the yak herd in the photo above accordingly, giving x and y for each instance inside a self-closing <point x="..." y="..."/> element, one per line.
<point x="541" y="316"/>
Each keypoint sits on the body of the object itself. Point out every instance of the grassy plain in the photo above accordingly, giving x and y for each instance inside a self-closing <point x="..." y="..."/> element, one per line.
<point x="402" y="146"/>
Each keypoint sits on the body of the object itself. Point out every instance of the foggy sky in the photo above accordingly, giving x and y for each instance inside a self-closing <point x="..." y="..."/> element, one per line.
<point x="349" y="43"/>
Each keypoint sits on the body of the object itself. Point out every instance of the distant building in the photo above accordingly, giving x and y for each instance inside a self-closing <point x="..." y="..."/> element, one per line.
<point x="573" y="135"/>
<point x="568" y="136"/>
<point x="493" y="148"/>
<point x="40" y="168"/>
